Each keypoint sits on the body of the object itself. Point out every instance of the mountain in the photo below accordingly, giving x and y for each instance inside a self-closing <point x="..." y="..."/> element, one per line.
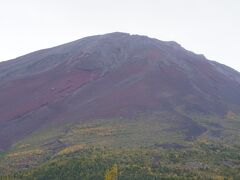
<point x="110" y="75"/>
<point x="156" y="87"/>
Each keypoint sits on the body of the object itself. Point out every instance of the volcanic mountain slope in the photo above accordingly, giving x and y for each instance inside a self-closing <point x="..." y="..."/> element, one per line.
<point x="110" y="76"/>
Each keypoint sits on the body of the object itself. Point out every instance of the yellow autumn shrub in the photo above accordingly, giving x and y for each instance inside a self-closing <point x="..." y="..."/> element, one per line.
<point x="112" y="173"/>
<point x="231" y="115"/>
<point x="26" y="153"/>
<point x="71" y="149"/>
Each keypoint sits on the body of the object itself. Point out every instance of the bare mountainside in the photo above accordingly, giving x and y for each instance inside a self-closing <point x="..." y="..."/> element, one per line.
<point x="111" y="76"/>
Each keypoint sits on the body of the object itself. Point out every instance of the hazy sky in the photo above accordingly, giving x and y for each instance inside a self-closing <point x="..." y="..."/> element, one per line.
<point x="210" y="27"/>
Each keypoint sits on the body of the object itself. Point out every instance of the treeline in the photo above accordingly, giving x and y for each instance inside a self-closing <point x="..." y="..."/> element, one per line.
<point x="139" y="165"/>
<point x="205" y="161"/>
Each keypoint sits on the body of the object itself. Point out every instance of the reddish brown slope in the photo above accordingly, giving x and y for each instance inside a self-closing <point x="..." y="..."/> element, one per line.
<point x="108" y="76"/>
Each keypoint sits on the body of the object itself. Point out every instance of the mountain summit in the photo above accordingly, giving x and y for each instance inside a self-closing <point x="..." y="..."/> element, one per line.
<point x="115" y="75"/>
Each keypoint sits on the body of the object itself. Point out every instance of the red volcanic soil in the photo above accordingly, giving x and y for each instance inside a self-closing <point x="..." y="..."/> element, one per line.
<point x="22" y="96"/>
<point x="108" y="76"/>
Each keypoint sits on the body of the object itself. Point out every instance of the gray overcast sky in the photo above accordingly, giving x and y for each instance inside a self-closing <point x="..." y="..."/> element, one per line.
<point x="210" y="27"/>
